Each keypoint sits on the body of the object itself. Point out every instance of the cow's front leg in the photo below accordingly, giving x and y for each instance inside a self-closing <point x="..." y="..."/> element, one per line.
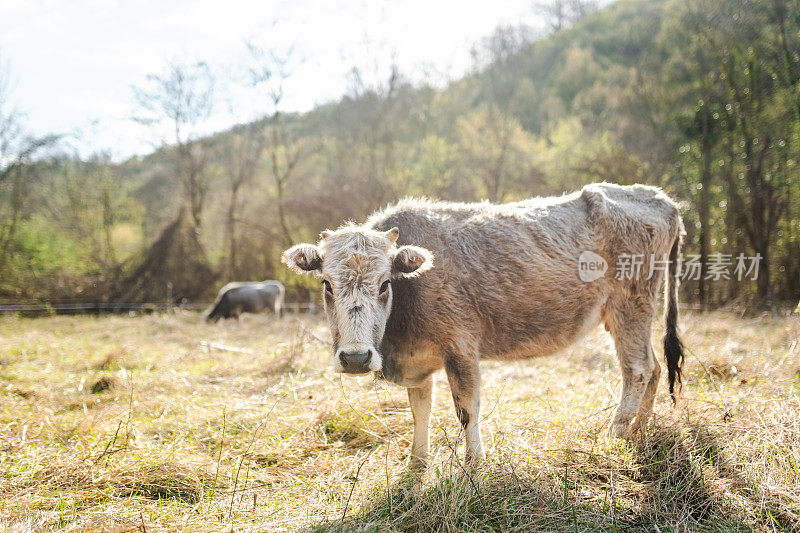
<point x="421" y="399"/>
<point x="464" y="377"/>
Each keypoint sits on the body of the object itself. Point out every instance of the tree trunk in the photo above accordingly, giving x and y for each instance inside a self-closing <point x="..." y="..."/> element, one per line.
<point x="763" y="282"/>
<point x="287" y="236"/>
<point x="733" y="247"/>
<point x="10" y="228"/>
<point x="230" y="235"/>
<point x="703" y="215"/>
<point x="281" y="176"/>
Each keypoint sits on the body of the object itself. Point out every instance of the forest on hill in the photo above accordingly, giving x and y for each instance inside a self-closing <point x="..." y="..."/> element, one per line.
<point x="699" y="97"/>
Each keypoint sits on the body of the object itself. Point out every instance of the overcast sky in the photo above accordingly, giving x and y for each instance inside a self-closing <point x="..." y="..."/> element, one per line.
<point x="73" y="63"/>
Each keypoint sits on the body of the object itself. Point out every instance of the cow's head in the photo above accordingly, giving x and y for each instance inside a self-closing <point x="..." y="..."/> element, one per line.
<point x="357" y="266"/>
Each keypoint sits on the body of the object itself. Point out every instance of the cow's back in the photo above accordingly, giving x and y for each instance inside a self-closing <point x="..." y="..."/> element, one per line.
<point x="254" y="297"/>
<point x="270" y="292"/>
<point x="507" y="276"/>
<point x="503" y="274"/>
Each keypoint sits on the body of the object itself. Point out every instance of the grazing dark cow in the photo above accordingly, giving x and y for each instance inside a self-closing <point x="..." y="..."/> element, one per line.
<point x="240" y="297"/>
<point x="426" y="285"/>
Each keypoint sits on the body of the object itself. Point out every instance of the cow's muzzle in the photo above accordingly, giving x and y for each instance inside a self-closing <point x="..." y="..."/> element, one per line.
<point x="355" y="363"/>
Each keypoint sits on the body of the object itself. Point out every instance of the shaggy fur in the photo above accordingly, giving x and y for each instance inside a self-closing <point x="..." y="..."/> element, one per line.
<point x="472" y="281"/>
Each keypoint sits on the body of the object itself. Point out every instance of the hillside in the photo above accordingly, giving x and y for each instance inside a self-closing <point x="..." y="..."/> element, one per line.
<point x="637" y="92"/>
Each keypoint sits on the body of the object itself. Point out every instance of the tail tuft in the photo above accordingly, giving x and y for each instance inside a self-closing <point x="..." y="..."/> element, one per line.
<point x="673" y="347"/>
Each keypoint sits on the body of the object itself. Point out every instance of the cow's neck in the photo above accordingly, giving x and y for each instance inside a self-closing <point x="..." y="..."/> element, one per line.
<point x="402" y="327"/>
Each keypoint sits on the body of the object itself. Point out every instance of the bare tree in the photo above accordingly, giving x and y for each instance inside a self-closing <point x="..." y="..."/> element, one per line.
<point x="492" y="140"/>
<point x="88" y="199"/>
<point x="180" y="101"/>
<point x="376" y="104"/>
<point x="561" y="14"/>
<point x="495" y="148"/>
<point x="242" y="156"/>
<point x="502" y="44"/>
<point x="16" y="150"/>
<point x="270" y="69"/>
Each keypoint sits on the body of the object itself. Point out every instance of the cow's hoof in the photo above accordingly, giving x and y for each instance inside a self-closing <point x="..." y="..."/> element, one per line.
<point x="619" y="430"/>
<point x="415" y="469"/>
<point x="415" y="462"/>
<point x="475" y="461"/>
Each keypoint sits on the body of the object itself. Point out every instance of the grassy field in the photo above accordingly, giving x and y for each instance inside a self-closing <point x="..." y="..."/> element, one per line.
<point x="163" y="422"/>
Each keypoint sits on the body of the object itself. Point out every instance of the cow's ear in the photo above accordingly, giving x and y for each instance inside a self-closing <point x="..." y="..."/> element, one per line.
<point x="302" y="258"/>
<point x="392" y="234"/>
<point x="411" y="261"/>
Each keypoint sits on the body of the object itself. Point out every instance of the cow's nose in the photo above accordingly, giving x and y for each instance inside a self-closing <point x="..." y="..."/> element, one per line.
<point x="355" y="363"/>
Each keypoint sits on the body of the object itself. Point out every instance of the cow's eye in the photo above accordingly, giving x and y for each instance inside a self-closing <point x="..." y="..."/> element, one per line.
<point x="326" y="284"/>
<point x="384" y="287"/>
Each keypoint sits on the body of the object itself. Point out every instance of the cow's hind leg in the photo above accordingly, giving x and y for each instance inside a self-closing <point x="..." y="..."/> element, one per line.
<point x="631" y="327"/>
<point x="420" y="399"/>
<point x="464" y="377"/>
<point x="646" y="407"/>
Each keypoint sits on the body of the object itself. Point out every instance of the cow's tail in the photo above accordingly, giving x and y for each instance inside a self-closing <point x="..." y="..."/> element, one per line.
<point x="673" y="347"/>
<point x="217" y="311"/>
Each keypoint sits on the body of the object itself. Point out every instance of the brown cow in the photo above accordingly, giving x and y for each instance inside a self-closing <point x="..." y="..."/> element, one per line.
<point x="426" y="285"/>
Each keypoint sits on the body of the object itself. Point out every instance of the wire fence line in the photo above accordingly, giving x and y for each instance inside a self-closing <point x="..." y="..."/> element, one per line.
<point x="295" y="307"/>
<point x="88" y="307"/>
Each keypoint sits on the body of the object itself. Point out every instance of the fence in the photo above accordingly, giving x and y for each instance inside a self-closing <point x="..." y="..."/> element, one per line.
<point x="74" y="308"/>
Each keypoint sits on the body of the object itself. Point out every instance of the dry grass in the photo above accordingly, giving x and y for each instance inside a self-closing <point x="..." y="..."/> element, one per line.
<point x="166" y="423"/>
